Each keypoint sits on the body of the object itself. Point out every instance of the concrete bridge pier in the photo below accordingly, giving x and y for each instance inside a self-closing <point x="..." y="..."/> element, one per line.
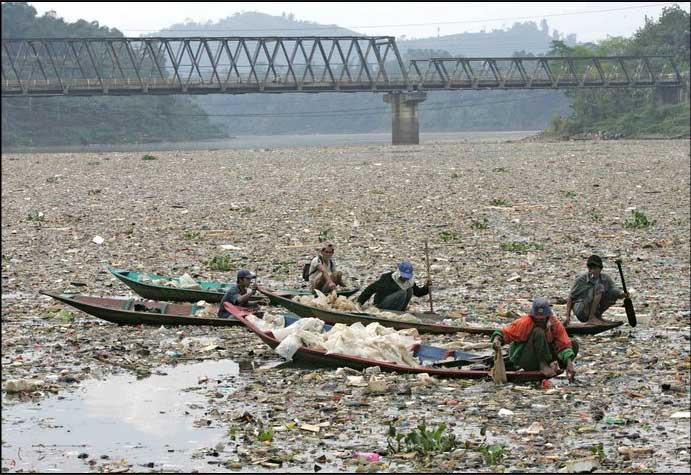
<point x="669" y="95"/>
<point x="405" y="128"/>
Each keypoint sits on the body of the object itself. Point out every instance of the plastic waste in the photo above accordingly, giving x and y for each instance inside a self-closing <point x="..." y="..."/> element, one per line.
<point x="21" y="385"/>
<point x="368" y="456"/>
<point x="289" y="346"/>
<point x="187" y="282"/>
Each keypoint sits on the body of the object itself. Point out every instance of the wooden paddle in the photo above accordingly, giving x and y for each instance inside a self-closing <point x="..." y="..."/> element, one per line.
<point x="628" y="305"/>
<point x="431" y="309"/>
<point x="498" y="371"/>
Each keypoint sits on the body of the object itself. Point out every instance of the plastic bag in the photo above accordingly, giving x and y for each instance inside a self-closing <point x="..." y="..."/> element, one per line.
<point x="187" y="282"/>
<point x="289" y="346"/>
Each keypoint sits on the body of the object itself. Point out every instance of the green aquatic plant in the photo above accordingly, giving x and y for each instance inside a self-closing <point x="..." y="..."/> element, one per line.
<point x="521" y="247"/>
<point x="222" y="263"/>
<point x="476" y="224"/>
<point x="492" y="454"/>
<point x="637" y="220"/>
<point x="499" y="202"/>
<point x="422" y="440"/>
<point x="449" y="236"/>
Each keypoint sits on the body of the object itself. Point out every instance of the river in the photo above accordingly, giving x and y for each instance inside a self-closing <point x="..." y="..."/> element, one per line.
<point x="278" y="141"/>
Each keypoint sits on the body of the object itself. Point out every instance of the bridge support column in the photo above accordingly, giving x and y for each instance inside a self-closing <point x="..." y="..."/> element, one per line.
<point x="669" y="95"/>
<point x="405" y="128"/>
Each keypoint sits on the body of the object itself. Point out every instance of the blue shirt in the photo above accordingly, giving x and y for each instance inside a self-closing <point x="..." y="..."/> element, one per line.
<point x="231" y="296"/>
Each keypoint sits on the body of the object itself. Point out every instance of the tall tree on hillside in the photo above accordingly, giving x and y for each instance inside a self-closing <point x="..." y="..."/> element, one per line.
<point x="621" y="108"/>
<point x="669" y="35"/>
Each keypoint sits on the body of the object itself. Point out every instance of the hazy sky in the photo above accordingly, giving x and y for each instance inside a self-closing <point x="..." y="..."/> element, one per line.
<point x="591" y="21"/>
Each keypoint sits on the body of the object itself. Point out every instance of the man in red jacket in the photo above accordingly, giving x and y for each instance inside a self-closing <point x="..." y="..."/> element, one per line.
<point x="539" y="341"/>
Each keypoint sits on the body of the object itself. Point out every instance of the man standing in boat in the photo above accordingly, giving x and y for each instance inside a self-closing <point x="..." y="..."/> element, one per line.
<point x="238" y="293"/>
<point x="538" y="342"/>
<point x="393" y="290"/>
<point x="323" y="275"/>
<point x="592" y="294"/>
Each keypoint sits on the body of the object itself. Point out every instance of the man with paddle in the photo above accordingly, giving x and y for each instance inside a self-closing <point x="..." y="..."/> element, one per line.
<point x="592" y="294"/>
<point x="393" y="290"/>
<point x="538" y="342"/>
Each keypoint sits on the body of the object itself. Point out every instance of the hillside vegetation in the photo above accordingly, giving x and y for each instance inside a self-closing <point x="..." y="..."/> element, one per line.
<point x="630" y="112"/>
<point x="79" y="120"/>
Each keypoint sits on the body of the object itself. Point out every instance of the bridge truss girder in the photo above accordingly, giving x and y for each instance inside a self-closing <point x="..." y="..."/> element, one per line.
<point x="231" y="65"/>
<point x="547" y="72"/>
<point x="238" y="65"/>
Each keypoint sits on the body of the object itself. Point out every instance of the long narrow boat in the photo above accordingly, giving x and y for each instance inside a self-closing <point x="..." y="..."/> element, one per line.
<point x="212" y="292"/>
<point x="436" y="361"/>
<point x="428" y="324"/>
<point x="139" y="312"/>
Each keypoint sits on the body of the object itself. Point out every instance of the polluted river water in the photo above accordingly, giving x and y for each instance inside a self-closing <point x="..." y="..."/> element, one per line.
<point x="496" y="241"/>
<point x="149" y="423"/>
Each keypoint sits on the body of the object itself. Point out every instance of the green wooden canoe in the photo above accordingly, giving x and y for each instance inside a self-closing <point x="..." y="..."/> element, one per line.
<point x="211" y="292"/>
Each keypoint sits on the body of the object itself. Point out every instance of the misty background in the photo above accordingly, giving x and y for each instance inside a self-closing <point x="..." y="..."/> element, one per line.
<point x="137" y="119"/>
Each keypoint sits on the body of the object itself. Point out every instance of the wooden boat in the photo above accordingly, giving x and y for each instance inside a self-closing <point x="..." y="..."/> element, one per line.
<point x="139" y="312"/>
<point x="211" y="292"/>
<point x="438" y="362"/>
<point x="429" y="324"/>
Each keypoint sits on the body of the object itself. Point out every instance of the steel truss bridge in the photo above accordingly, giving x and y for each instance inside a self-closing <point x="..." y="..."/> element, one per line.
<point x="239" y="65"/>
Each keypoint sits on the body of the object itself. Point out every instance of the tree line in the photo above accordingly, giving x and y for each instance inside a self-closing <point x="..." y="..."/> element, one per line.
<point x="630" y="112"/>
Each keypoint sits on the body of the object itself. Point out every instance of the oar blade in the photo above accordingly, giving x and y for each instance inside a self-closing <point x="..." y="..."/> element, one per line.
<point x="630" y="312"/>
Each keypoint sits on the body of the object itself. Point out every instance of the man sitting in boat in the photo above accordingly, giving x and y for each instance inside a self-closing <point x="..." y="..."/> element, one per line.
<point x="323" y="275"/>
<point x="592" y="294"/>
<point x="238" y="293"/>
<point x="538" y="341"/>
<point x="393" y="290"/>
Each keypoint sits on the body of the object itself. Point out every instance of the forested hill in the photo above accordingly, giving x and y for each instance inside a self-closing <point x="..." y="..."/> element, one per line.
<point x="79" y="120"/>
<point x="255" y="24"/>
<point x="632" y="112"/>
<point x="526" y="37"/>
<point x="366" y="112"/>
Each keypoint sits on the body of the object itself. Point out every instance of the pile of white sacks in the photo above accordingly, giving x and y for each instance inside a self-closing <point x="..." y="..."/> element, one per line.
<point x="373" y="341"/>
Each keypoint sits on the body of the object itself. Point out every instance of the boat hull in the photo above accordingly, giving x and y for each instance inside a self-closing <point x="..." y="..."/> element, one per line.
<point x="123" y="311"/>
<point x="211" y="292"/>
<point x="317" y="357"/>
<point x="334" y="316"/>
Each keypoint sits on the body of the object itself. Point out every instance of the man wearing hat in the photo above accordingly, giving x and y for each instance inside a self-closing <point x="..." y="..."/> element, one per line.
<point x="238" y="293"/>
<point x="539" y="342"/>
<point x="592" y="294"/>
<point x="393" y="290"/>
